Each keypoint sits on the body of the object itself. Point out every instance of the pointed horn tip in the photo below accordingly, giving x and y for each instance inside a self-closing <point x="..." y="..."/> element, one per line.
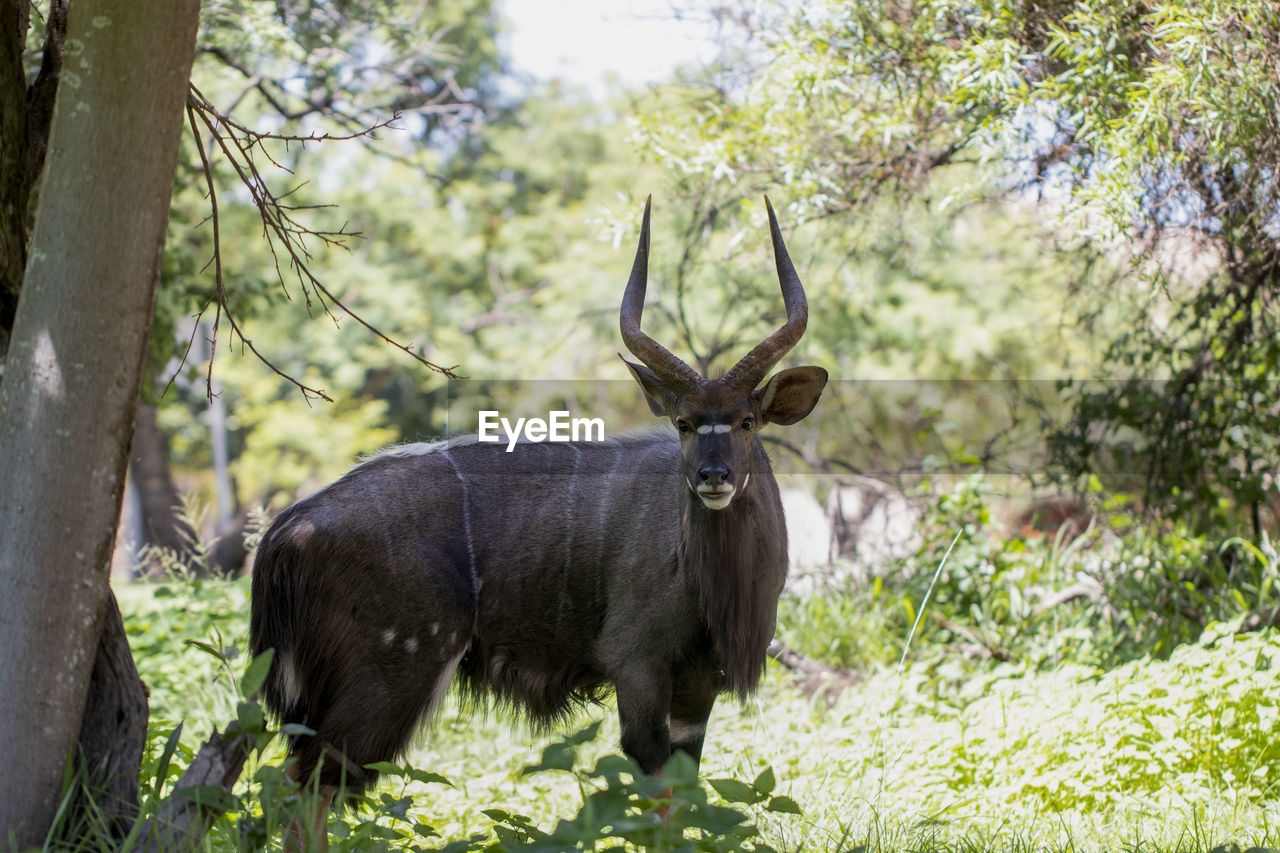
<point x="773" y="217"/>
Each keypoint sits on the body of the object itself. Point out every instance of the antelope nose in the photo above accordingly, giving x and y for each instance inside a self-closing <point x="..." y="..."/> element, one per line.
<point x="714" y="475"/>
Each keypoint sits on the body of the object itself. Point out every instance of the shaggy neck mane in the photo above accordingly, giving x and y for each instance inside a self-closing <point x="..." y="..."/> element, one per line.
<point x="722" y="553"/>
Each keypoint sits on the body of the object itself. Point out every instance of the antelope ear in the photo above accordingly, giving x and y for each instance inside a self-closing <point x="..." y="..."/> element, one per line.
<point x="790" y="394"/>
<point x="660" y="398"/>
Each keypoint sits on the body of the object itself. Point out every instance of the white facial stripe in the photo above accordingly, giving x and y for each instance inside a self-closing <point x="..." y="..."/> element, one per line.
<point x="745" y="480"/>
<point x="706" y="429"/>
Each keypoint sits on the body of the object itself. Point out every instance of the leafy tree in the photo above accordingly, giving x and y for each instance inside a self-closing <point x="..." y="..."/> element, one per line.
<point x="1151" y="125"/>
<point x="261" y="107"/>
<point x="524" y="243"/>
<point x="66" y="411"/>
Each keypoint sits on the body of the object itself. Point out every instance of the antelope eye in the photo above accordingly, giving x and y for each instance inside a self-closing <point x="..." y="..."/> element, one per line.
<point x="747" y="423"/>
<point x="683" y="426"/>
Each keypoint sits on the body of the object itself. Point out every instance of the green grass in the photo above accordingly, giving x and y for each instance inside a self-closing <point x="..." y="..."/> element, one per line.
<point x="1175" y="754"/>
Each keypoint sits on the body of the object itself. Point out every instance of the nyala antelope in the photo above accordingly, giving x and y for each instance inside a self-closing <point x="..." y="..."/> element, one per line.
<point x="541" y="578"/>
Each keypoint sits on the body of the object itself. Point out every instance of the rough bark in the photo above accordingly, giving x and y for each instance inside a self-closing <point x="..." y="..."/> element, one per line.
<point x="73" y="372"/>
<point x="114" y="729"/>
<point x="13" y="140"/>
<point x="25" y="119"/>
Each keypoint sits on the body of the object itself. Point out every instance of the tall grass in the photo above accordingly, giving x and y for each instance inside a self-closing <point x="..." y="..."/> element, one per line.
<point x="1021" y="719"/>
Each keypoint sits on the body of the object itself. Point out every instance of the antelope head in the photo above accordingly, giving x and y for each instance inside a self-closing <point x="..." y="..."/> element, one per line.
<point x="718" y="419"/>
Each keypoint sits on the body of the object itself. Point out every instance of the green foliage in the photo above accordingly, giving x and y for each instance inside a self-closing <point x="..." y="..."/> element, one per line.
<point x="1072" y="691"/>
<point x="352" y="62"/>
<point x="471" y="271"/>
<point x="187" y="636"/>
<point x="1167" y="753"/>
<point x="1154" y="744"/>
<point x="297" y="71"/>
<point x="1092" y="598"/>
<point x="1197" y="440"/>
<point x="1137" y="123"/>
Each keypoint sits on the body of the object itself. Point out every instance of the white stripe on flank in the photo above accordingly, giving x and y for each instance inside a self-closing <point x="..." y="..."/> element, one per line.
<point x="443" y="679"/>
<point x="471" y="547"/>
<point x="573" y="481"/>
<point x="710" y="428"/>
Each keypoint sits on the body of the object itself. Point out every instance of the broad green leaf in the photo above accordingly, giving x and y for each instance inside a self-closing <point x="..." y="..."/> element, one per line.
<point x="256" y="673"/>
<point x="734" y="791"/>
<point x="765" y="782"/>
<point x="783" y="804"/>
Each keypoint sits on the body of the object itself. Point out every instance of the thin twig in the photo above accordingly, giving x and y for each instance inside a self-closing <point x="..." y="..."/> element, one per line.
<point x="220" y="289"/>
<point x="284" y="234"/>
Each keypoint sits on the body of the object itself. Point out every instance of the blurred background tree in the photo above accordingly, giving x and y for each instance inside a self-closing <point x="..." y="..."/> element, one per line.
<point x="1038" y="240"/>
<point x="1140" y="137"/>
<point x="1006" y="196"/>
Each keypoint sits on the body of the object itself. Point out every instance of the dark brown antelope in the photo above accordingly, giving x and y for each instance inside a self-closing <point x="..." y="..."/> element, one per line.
<point x="542" y="577"/>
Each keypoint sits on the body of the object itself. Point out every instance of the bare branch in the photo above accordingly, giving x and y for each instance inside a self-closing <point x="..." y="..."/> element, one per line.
<point x="220" y="289"/>
<point x="814" y="677"/>
<point x="182" y="819"/>
<point x="286" y="236"/>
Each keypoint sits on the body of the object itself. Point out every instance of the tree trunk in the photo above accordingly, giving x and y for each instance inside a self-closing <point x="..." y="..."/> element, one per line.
<point x="25" y="116"/>
<point x="13" y="139"/>
<point x="73" y="372"/>
<point x="163" y="525"/>
<point x="114" y="729"/>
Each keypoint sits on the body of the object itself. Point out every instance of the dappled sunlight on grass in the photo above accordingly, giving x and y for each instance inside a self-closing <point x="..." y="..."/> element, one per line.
<point x="1177" y="753"/>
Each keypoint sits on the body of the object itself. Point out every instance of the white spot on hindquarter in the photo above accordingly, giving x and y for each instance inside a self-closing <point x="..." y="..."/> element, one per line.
<point x="388" y="636"/>
<point x="300" y="531"/>
<point x="411" y="645"/>
<point x="435" y="628"/>
<point x="707" y="429"/>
